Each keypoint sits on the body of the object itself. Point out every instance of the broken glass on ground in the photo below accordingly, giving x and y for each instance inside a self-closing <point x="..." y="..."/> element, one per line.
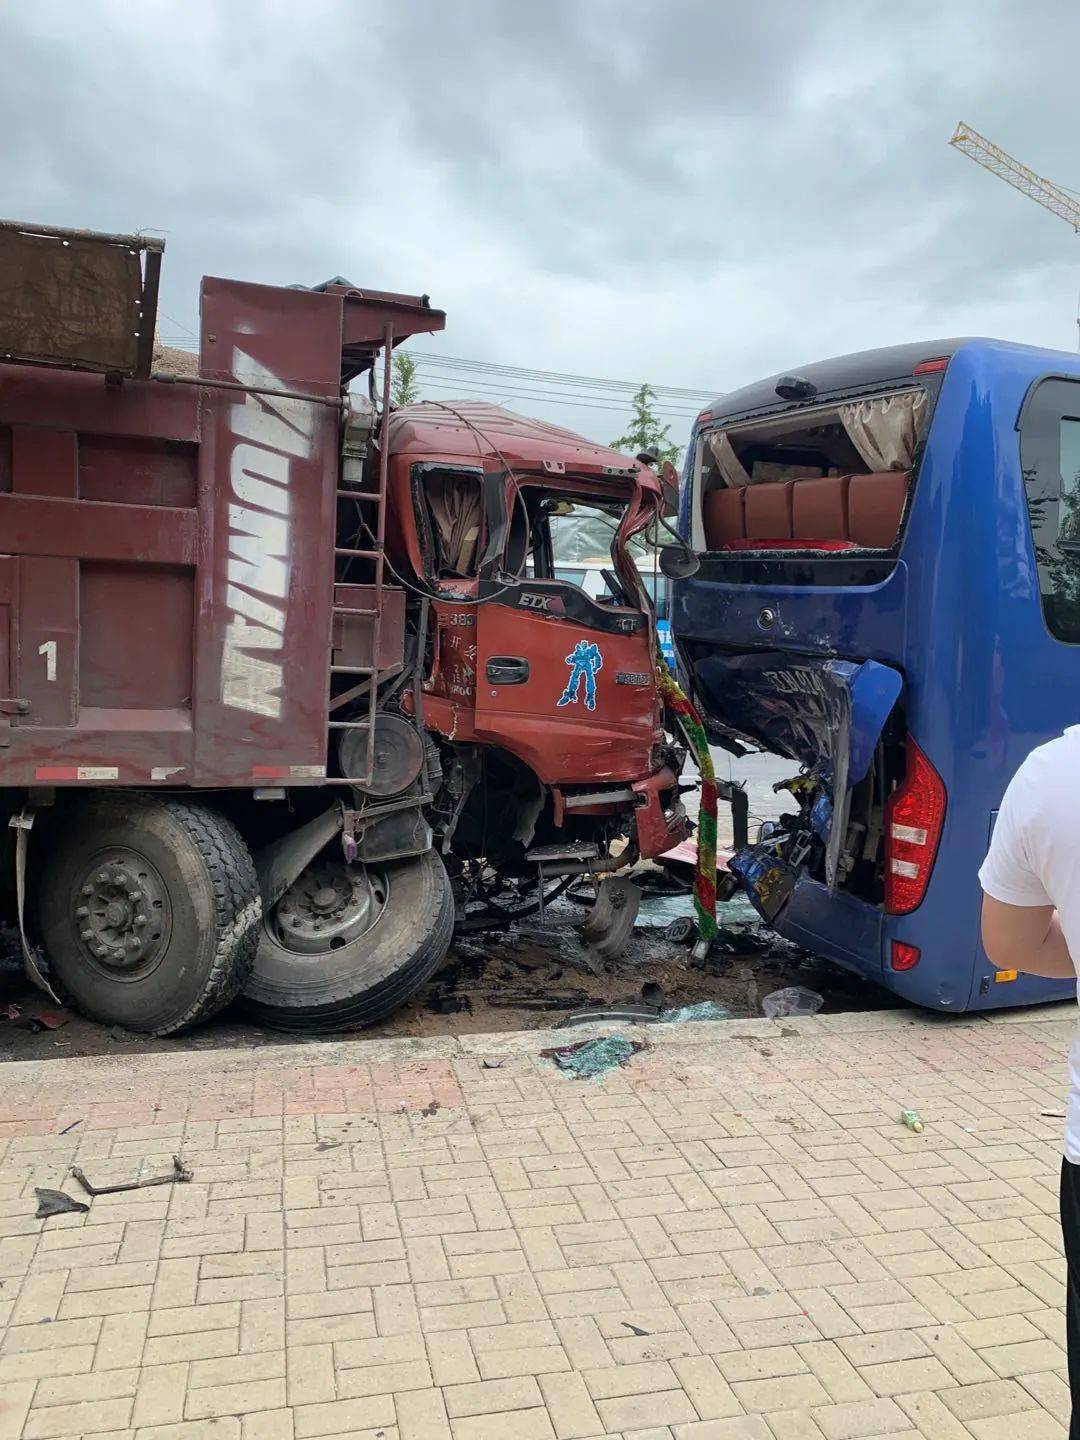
<point x="589" y="1059"/>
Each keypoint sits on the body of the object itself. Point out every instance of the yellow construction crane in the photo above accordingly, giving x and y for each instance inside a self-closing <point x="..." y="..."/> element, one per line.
<point x="999" y="162"/>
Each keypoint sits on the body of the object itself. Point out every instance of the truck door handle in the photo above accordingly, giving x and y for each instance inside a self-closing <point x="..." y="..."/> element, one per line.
<point x="507" y="670"/>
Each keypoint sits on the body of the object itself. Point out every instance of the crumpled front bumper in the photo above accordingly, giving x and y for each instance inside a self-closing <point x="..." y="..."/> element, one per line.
<point x="659" y="827"/>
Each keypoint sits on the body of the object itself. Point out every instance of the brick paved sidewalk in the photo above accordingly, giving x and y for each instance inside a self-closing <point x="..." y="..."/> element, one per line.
<point x="732" y="1238"/>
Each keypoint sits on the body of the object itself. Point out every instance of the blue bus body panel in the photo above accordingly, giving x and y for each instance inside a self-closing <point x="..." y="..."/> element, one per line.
<point x="961" y="618"/>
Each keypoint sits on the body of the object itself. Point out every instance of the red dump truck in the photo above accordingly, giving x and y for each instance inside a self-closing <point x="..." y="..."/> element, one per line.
<point x="274" y="657"/>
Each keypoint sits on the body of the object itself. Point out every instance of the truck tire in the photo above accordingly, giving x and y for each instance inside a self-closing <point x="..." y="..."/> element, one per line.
<point x="149" y="912"/>
<point x="356" y="981"/>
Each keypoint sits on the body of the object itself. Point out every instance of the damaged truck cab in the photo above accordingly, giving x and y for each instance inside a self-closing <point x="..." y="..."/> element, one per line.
<point x="889" y="596"/>
<point x="541" y="699"/>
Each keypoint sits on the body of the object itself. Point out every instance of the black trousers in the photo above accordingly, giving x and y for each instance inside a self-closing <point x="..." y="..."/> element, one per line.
<point x="1070" y="1229"/>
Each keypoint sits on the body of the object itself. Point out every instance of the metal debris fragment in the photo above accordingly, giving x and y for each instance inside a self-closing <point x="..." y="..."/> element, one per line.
<point x="179" y="1175"/>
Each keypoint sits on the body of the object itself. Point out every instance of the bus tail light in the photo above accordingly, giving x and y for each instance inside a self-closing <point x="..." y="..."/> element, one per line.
<point x="914" y="816"/>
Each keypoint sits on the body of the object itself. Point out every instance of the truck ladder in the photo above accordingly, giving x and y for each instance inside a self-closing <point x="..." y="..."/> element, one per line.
<point x="376" y="499"/>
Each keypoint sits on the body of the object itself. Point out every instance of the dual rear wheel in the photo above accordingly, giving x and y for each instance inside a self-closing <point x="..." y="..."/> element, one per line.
<point x="150" y="914"/>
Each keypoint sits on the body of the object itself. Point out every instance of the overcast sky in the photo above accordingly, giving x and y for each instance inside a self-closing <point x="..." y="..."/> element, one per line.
<point x="694" y="192"/>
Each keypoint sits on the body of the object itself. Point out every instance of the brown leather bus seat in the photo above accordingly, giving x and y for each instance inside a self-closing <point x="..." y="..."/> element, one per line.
<point x="819" y="509"/>
<point x="768" y="511"/>
<point x="876" y="507"/>
<point x="836" y="512"/>
<point x="723" y="516"/>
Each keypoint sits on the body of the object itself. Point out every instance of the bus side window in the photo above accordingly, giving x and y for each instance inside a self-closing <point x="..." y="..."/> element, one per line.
<point x="1050" y="458"/>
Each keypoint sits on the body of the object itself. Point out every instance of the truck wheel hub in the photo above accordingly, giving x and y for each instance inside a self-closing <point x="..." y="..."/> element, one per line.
<point x="121" y="914"/>
<point x="331" y="905"/>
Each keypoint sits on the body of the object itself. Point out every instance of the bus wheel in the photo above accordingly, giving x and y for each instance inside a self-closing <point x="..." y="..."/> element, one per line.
<point x="348" y="944"/>
<point x="149" y="912"/>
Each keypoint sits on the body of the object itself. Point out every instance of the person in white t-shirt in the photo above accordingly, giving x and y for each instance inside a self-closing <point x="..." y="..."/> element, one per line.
<point x="1031" y="922"/>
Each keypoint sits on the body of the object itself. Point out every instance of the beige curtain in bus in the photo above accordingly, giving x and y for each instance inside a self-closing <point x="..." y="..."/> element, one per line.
<point x="727" y="462"/>
<point x="886" y="429"/>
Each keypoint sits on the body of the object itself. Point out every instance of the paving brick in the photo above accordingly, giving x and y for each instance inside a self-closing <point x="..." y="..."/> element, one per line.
<point x="488" y="1397"/>
<point x="1023" y="1359"/>
<point x="268" y="1425"/>
<point x="764" y="1364"/>
<point x="310" y="1375"/>
<point x="786" y="1392"/>
<point x="159" y="1399"/>
<point x="71" y="1389"/>
<point x="344" y="1417"/>
<point x="60" y="1422"/>
<point x="744" y="1427"/>
<point x="245" y="1395"/>
<point x="709" y="1392"/>
<point x="863" y="1418"/>
<point x="16" y="1405"/>
<point x="928" y="1414"/>
<point x="529" y="1360"/>
<point x="526" y="1425"/>
<point x="832" y="1367"/>
<point x="900" y="1377"/>
<point x="421" y="1415"/>
<point x="1032" y="1425"/>
<point x="570" y="1408"/>
<point x="384" y="1379"/>
<point x="636" y="1412"/>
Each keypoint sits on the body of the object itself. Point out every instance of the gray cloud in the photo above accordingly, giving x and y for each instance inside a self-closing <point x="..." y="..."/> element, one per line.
<point x="696" y="191"/>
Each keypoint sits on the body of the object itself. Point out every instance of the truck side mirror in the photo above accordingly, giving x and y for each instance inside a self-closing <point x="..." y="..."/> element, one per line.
<point x="678" y="562"/>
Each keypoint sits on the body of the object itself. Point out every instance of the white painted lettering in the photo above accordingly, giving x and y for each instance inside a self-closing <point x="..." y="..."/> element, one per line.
<point x="270" y="433"/>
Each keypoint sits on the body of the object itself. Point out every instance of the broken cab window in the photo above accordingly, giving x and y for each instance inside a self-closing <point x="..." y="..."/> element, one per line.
<point x="453" y="508"/>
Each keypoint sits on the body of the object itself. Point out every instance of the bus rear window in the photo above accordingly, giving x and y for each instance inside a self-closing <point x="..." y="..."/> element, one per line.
<point x="828" y="479"/>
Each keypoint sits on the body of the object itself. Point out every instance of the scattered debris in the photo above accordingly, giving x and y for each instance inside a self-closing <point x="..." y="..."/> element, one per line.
<point x="55" y="1202"/>
<point x="492" y="1064"/>
<point x="609" y="926"/>
<point x="703" y="1010"/>
<point x="10" y="1012"/>
<point x="653" y="994"/>
<point x="329" y="1144"/>
<point x="68" y="1128"/>
<point x="45" y="1020"/>
<point x="447" y="1002"/>
<point x="911" y="1119"/>
<point x="792" y="1000"/>
<point x="1052" y="1114"/>
<point x="432" y="1109"/>
<point x="636" y="1329"/>
<point x="544" y="935"/>
<point x="616" y="1014"/>
<point x="518" y="999"/>
<point x="589" y="1059"/>
<point x="179" y="1175"/>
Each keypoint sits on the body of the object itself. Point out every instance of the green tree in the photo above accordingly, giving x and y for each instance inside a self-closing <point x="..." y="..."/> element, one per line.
<point x="404" y="387"/>
<point x="645" y="431"/>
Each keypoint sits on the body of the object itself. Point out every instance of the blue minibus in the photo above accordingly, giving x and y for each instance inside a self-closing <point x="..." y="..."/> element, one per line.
<point x="888" y="594"/>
